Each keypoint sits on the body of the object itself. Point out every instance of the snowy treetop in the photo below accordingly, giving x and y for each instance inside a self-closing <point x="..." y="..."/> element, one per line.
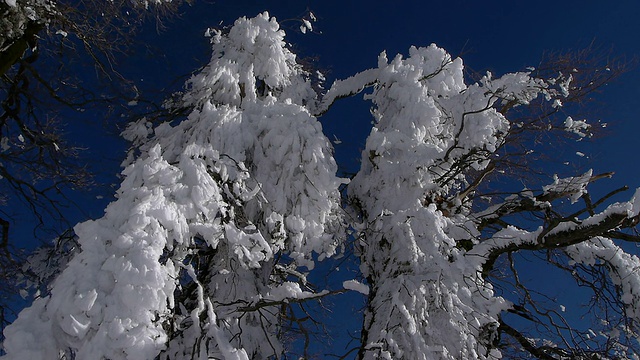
<point x="429" y="122"/>
<point x="251" y="62"/>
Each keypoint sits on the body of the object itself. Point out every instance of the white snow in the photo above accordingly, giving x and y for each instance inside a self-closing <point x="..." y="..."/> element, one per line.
<point x="426" y="119"/>
<point x="209" y="204"/>
<point x="624" y="269"/>
<point x="291" y="290"/>
<point x="246" y="175"/>
<point x="578" y="127"/>
<point x="307" y="25"/>
<point x="355" y="285"/>
<point x="572" y="187"/>
<point x="347" y="87"/>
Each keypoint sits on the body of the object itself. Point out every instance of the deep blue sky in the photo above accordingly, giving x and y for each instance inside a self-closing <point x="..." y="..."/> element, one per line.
<point x="500" y="36"/>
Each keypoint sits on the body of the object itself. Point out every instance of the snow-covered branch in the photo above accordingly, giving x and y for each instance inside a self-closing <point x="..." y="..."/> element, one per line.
<point x="557" y="231"/>
<point x="224" y="211"/>
<point x="346" y="88"/>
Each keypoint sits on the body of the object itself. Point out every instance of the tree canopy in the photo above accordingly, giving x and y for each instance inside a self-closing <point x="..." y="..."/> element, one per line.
<point x="226" y="210"/>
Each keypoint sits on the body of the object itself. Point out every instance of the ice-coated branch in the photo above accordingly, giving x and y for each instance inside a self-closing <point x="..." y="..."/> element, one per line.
<point x="558" y="232"/>
<point x="293" y="297"/>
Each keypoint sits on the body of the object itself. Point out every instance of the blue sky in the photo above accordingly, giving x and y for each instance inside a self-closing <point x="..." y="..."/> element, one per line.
<point x="500" y="36"/>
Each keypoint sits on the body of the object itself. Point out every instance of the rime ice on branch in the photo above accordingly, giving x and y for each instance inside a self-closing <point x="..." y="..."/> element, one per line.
<point x="178" y="263"/>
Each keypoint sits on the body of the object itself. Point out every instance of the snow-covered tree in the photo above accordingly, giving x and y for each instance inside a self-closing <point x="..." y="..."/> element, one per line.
<point x="57" y="57"/>
<point x="212" y="219"/>
<point x="222" y="214"/>
<point x="431" y="238"/>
